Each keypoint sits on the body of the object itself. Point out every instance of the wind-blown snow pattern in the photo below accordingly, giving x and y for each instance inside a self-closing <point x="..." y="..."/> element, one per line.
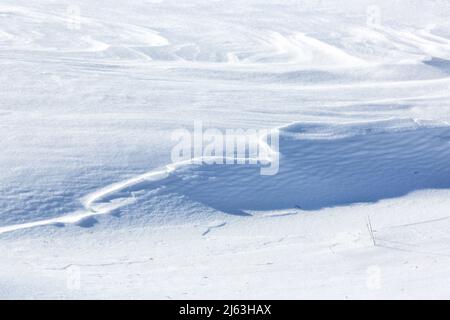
<point x="90" y="93"/>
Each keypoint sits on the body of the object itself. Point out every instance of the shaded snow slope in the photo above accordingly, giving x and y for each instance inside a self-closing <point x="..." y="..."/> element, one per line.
<point x="320" y="166"/>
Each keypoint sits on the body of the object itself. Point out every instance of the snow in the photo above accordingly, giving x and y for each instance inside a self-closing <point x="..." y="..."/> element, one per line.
<point x="92" y="205"/>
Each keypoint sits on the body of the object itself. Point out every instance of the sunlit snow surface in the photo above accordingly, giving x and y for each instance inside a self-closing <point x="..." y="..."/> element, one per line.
<point x="90" y="93"/>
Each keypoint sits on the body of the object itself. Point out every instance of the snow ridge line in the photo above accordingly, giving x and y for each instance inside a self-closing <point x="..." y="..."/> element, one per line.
<point x="93" y="206"/>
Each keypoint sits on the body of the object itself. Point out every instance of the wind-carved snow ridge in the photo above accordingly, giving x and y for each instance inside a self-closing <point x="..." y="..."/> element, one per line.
<point x="321" y="165"/>
<point x="35" y="30"/>
<point x="109" y="198"/>
<point x="300" y="49"/>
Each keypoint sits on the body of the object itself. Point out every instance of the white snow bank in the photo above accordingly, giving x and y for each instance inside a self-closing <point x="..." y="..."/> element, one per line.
<point x="321" y="165"/>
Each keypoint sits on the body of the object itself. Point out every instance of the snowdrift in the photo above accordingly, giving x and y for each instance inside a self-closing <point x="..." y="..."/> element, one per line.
<point x="321" y="165"/>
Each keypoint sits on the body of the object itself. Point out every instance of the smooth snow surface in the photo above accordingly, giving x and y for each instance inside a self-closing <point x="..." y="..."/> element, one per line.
<point x="91" y="205"/>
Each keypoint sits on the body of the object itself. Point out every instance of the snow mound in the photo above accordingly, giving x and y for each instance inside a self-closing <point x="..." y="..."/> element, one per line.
<point x="320" y="165"/>
<point x="325" y="166"/>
